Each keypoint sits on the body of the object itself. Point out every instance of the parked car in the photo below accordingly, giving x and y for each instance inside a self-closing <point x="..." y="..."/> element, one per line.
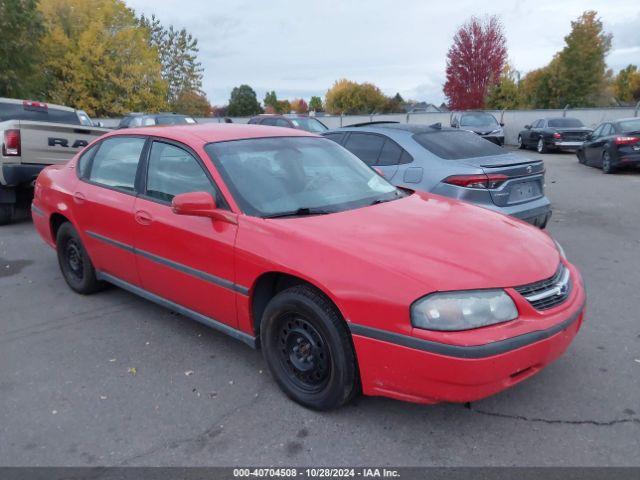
<point x="32" y="136"/>
<point x="284" y="239"/>
<point x="451" y="162"/>
<point x="300" y="122"/>
<point x="133" y="120"/>
<point x="612" y="145"/>
<point x="481" y="123"/>
<point x="548" y="134"/>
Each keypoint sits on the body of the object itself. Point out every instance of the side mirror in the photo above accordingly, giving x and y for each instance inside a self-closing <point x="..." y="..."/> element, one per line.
<point x="200" y="204"/>
<point x="589" y="136"/>
<point x="527" y="127"/>
<point x="98" y="124"/>
<point x="502" y="124"/>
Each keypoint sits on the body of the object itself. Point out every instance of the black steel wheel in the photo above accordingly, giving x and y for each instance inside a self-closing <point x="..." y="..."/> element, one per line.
<point x="75" y="264"/>
<point x="308" y="348"/>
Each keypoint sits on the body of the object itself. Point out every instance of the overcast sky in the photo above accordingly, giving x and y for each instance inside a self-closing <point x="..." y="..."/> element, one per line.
<point x="299" y="48"/>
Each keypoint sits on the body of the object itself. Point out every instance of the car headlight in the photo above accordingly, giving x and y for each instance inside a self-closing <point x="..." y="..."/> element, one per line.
<point x="462" y="310"/>
<point x="560" y="250"/>
<point x="498" y="130"/>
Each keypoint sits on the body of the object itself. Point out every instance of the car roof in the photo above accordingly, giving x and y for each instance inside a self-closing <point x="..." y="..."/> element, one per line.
<point x="204" y="133"/>
<point x="620" y="120"/>
<point x="159" y="114"/>
<point x="392" y="128"/>
<point x="559" y="118"/>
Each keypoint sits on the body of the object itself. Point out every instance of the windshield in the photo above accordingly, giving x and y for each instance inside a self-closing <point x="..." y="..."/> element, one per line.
<point x="309" y="124"/>
<point x="457" y="144"/>
<point x="565" y="122"/>
<point x="284" y="176"/>
<point x="172" y="120"/>
<point x="477" y="120"/>
<point x="628" y="126"/>
<point x="14" y="111"/>
<point x="84" y="119"/>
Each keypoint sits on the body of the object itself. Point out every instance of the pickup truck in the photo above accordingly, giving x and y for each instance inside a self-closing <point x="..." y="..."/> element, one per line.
<point x="32" y="136"/>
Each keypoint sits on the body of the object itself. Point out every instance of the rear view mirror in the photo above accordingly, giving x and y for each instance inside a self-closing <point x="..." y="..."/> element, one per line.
<point x="200" y="204"/>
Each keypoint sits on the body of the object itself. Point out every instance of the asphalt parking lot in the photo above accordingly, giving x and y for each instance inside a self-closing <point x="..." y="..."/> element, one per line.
<point x="112" y="379"/>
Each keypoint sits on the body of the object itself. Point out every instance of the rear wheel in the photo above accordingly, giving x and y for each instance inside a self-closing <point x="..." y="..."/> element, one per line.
<point x="6" y="213"/>
<point x="606" y="163"/>
<point x="541" y="147"/>
<point x="74" y="262"/>
<point x="521" y="144"/>
<point x="308" y="349"/>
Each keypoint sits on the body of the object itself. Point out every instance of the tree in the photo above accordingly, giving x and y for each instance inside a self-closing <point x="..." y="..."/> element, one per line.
<point x="283" y="106"/>
<point x="577" y="75"/>
<point x="271" y="100"/>
<point x="347" y="97"/>
<point x="178" y="52"/>
<point x="581" y="70"/>
<point x="504" y="94"/>
<point x="192" y="103"/>
<point x="243" y="102"/>
<point x="96" y="58"/>
<point x="315" y="104"/>
<point x="474" y="62"/>
<point x="22" y="27"/>
<point x="298" y="105"/>
<point x="626" y="85"/>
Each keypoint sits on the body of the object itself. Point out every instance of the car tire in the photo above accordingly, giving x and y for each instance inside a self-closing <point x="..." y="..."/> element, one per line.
<point x="606" y="163"/>
<point x="308" y="349"/>
<point x="75" y="264"/>
<point x="521" y="144"/>
<point x="6" y="214"/>
<point x="580" y="156"/>
<point x="541" y="147"/>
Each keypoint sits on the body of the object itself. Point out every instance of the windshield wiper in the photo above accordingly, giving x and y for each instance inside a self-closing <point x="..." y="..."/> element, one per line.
<point x="300" y="212"/>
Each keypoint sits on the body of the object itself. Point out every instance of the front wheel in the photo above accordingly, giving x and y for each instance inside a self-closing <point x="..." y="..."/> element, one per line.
<point x="580" y="156"/>
<point x="606" y="163"/>
<point x="75" y="264"/>
<point x="521" y="144"/>
<point x="308" y="349"/>
<point x="6" y="214"/>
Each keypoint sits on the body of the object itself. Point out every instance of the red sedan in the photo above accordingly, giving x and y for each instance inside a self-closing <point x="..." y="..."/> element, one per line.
<point x="284" y="240"/>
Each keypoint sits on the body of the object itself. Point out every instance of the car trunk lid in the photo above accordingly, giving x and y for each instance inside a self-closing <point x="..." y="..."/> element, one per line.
<point x="524" y="177"/>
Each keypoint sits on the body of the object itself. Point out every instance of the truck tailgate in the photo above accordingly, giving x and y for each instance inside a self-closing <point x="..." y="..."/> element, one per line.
<point x="51" y="143"/>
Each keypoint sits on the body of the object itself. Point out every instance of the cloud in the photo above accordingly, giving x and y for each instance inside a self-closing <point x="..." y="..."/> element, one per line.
<point x="300" y="48"/>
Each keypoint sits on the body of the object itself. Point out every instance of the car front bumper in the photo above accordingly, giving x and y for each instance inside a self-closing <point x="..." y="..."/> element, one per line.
<point x="421" y="371"/>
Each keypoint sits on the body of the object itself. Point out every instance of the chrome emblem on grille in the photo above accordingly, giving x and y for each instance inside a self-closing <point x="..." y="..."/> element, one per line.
<point x="529" y="169"/>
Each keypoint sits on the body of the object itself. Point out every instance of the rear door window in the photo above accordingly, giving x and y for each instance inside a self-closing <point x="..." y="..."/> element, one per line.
<point x="365" y="146"/>
<point x="116" y="162"/>
<point x="390" y="154"/>
<point x="457" y="144"/>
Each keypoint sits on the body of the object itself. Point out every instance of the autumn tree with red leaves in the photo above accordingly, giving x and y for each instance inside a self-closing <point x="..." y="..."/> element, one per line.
<point x="474" y="62"/>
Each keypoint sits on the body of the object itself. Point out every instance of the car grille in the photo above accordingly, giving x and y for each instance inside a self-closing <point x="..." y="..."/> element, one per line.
<point x="548" y="293"/>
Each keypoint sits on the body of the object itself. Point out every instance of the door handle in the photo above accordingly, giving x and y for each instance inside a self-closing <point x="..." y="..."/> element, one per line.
<point x="143" y="218"/>
<point x="79" y="198"/>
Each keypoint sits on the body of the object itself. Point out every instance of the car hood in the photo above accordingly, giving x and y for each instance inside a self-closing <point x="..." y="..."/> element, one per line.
<point x="439" y="243"/>
<point x="483" y="130"/>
